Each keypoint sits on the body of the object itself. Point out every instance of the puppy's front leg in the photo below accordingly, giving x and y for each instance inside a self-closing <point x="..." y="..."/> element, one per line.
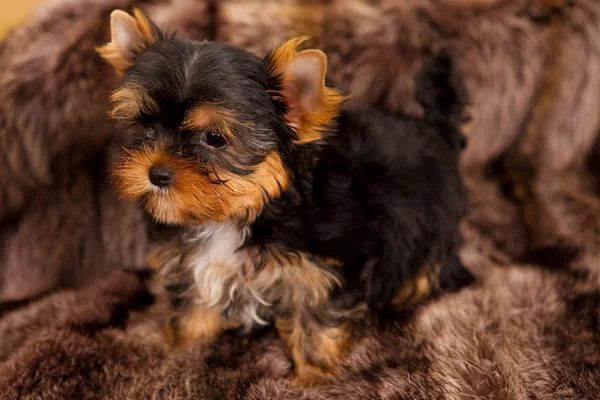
<point x="196" y="324"/>
<point x="315" y="348"/>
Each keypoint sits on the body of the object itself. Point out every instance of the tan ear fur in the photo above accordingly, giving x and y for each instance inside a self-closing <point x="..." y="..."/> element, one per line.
<point x="312" y="105"/>
<point x="129" y="35"/>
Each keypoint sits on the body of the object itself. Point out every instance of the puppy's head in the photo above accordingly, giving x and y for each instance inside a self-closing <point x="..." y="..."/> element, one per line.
<point x="214" y="126"/>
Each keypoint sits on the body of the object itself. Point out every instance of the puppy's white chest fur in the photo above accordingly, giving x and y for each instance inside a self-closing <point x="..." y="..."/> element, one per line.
<point x="242" y="283"/>
<point x="224" y="273"/>
<point x="215" y="246"/>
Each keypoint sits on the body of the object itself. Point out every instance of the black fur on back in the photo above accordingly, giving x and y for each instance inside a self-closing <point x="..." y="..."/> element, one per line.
<point x="382" y="193"/>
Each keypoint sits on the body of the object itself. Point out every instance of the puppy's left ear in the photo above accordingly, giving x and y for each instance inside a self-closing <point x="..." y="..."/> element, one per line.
<point x="129" y="35"/>
<point x="299" y="77"/>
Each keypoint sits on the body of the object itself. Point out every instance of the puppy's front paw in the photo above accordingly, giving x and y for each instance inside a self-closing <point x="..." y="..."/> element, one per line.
<point x="306" y="375"/>
<point x="197" y="324"/>
<point x="316" y="350"/>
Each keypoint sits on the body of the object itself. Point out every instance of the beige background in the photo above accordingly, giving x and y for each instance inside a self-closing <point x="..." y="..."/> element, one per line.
<point x="14" y="11"/>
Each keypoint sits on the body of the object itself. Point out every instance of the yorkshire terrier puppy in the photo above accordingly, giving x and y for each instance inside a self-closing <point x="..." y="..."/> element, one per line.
<point x="292" y="208"/>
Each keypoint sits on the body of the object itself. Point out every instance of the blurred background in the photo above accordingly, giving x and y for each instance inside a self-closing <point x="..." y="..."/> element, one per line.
<point x="14" y="11"/>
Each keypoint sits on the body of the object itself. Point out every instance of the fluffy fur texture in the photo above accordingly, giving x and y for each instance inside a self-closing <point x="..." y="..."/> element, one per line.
<point x="531" y="170"/>
<point x="522" y="332"/>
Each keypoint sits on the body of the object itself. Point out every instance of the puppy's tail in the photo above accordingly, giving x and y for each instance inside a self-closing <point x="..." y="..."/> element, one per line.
<point x="440" y="91"/>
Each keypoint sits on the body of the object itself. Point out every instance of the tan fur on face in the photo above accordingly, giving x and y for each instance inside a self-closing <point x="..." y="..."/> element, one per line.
<point x="129" y="102"/>
<point x="212" y="118"/>
<point x="309" y="124"/>
<point x="194" y="195"/>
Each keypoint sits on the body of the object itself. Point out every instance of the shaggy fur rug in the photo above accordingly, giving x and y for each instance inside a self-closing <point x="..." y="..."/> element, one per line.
<point x="528" y="328"/>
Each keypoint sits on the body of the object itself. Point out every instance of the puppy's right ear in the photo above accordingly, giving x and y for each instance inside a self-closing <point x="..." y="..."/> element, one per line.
<point x="129" y="35"/>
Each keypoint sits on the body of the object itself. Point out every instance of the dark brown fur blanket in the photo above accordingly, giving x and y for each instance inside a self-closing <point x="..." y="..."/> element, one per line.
<point x="528" y="328"/>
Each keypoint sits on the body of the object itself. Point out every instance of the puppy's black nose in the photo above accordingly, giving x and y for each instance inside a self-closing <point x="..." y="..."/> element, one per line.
<point x="161" y="175"/>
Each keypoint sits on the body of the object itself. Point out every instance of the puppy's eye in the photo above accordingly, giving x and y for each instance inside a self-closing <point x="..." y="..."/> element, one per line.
<point x="213" y="139"/>
<point x="144" y="118"/>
